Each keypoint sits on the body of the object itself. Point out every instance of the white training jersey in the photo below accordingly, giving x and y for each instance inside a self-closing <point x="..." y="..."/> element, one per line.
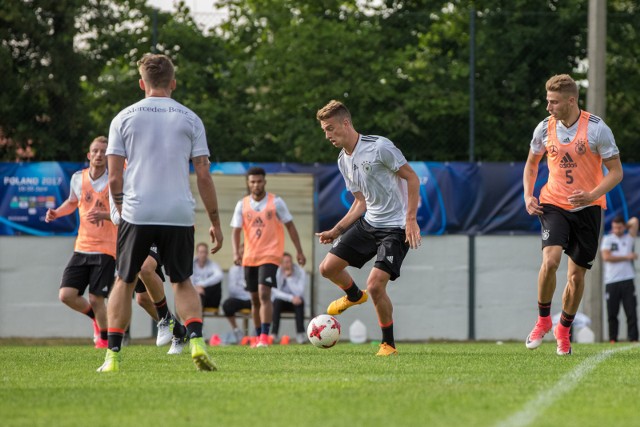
<point x="236" y="285"/>
<point x="371" y="169"/>
<point x="289" y="286"/>
<point x="209" y="275"/>
<point x="600" y="137"/>
<point x="75" y="191"/>
<point x="618" y="246"/>
<point x="158" y="136"/>
<point x="282" y="211"/>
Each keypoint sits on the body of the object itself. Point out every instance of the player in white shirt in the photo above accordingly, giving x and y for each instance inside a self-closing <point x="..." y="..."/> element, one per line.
<point x="239" y="298"/>
<point x="577" y="145"/>
<point x="619" y="255"/>
<point x="386" y="191"/>
<point x="207" y="277"/>
<point x="149" y="291"/>
<point x="158" y="137"/>
<point x="289" y="295"/>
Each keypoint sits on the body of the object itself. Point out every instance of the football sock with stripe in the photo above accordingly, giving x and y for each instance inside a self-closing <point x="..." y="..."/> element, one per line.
<point x="353" y="292"/>
<point x="114" y="338"/>
<point x="566" y="319"/>
<point x="194" y="327"/>
<point x="544" y="309"/>
<point x="162" y="308"/>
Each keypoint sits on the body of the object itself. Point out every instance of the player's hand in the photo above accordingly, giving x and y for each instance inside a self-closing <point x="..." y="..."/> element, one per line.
<point x="580" y="198"/>
<point x="301" y="259"/>
<point x="532" y="205"/>
<point x="633" y="256"/>
<point x="296" y="301"/>
<point x="50" y="215"/>
<point x="328" y="236"/>
<point x="94" y="216"/>
<point x="412" y="232"/>
<point x="237" y="259"/>
<point x="216" y="238"/>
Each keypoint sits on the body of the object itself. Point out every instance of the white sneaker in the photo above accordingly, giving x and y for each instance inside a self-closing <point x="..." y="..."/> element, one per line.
<point x="239" y="335"/>
<point x="301" y="338"/>
<point x="177" y="345"/>
<point x="165" y="331"/>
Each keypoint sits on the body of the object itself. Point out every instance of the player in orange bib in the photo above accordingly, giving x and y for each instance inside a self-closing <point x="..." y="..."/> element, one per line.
<point x="262" y="216"/>
<point x="92" y="264"/>
<point x="577" y="144"/>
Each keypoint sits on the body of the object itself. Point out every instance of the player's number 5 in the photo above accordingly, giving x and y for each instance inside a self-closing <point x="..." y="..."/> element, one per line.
<point x="569" y="176"/>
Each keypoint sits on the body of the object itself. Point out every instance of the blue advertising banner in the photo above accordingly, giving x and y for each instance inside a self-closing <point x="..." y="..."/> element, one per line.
<point x="465" y="198"/>
<point x="27" y="190"/>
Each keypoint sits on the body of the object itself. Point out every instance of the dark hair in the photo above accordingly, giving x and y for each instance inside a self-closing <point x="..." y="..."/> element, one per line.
<point x="619" y="219"/>
<point x="256" y="170"/>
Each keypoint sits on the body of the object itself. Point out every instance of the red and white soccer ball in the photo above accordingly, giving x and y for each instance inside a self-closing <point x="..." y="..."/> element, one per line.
<point x="323" y="331"/>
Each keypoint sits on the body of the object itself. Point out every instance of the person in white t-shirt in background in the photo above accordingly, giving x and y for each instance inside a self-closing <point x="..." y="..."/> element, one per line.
<point x="619" y="272"/>
<point x="207" y="277"/>
<point x="289" y="295"/>
<point x="239" y="297"/>
<point x="381" y="222"/>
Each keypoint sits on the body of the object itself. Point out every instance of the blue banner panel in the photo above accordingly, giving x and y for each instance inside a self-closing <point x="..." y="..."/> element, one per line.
<point x="464" y="198"/>
<point x="27" y="190"/>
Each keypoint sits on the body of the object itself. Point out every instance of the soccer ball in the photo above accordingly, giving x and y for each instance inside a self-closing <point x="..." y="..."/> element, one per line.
<point x="323" y="331"/>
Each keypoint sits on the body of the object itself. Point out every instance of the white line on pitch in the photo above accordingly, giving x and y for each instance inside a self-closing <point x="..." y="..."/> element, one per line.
<point x="538" y="405"/>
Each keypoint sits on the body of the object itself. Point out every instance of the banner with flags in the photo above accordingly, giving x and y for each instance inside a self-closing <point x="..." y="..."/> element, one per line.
<point x="464" y="198"/>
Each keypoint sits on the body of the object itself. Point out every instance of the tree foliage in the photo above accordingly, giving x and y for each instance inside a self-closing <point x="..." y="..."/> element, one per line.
<point x="401" y="66"/>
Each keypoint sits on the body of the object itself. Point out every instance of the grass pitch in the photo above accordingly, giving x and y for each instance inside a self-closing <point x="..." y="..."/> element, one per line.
<point x="441" y="384"/>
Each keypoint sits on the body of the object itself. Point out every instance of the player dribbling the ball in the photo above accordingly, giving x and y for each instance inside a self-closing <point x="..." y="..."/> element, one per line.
<point x="386" y="191"/>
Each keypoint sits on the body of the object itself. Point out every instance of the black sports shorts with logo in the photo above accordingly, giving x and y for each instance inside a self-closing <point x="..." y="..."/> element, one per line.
<point x="362" y="241"/>
<point x="264" y="274"/>
<point x="577" y="232"/>
<point x="95" y="271"/>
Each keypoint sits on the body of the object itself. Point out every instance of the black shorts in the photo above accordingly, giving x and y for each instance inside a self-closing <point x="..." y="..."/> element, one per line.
<point x="233" y="305"/>
<point x="212" y="296"/>
<point x="264" y="274"/>
<point x="577" y="232"/>
<point x="93" y="270"/>
<point x="362" y="241"/>
<point x="175" y="246"/>
<point x="153" y="253"/>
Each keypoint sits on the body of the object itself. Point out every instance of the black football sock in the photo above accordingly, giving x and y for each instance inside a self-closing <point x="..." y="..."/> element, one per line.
<point x="194" y="328"/>
<point x="566" y="319"/>
<point x="162" y="308"/>
<point x="114" y="338"/>
<point x="387" y="334"/>
<point x="353" y="292"/>
<point x="544" y="309"/>
<point x="179" y="331"/>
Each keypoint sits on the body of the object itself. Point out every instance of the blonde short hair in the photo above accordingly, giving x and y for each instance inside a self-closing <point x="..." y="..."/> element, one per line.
<point x="564" y="84"/>
<point x="332" y="109"/>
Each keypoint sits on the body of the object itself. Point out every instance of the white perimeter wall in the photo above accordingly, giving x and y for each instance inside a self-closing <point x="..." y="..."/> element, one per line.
<point x="430" y="298"/>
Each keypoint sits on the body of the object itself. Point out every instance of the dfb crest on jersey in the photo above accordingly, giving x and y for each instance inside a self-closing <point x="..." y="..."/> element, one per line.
<point x="366" y="167"/>
<point x="581" y="146"/>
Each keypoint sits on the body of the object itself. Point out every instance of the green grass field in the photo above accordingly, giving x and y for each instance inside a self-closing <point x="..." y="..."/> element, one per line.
<point x="441" y="384"/>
